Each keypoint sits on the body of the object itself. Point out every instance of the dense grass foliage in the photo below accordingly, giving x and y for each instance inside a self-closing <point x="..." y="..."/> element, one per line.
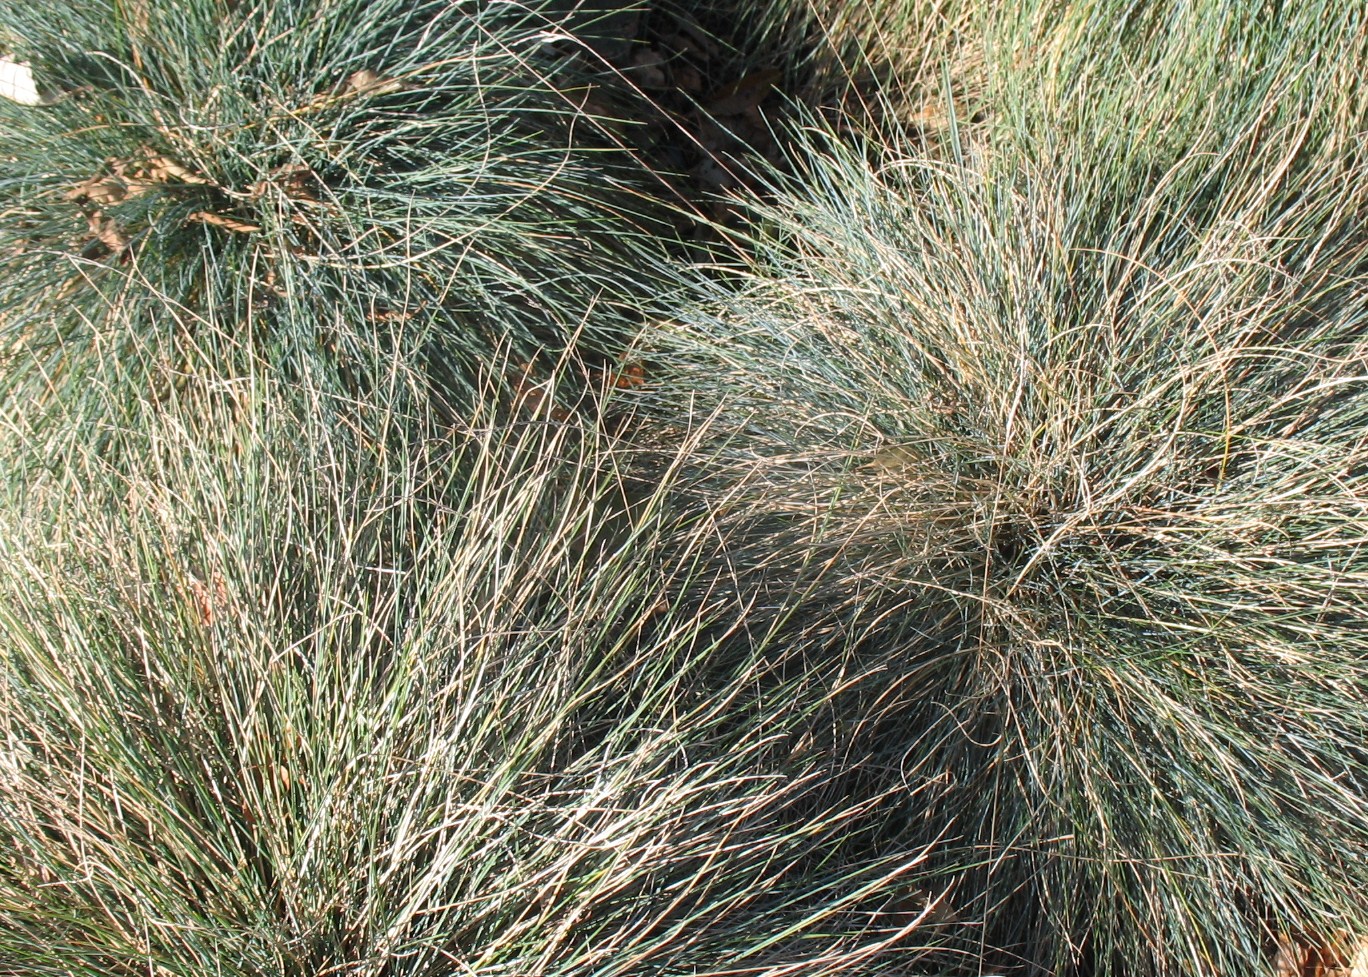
<point x="409" y="566"/>
<point x="352" y="192"/>
<point x="309" y="713"/>
<point x="1052" y="455"/>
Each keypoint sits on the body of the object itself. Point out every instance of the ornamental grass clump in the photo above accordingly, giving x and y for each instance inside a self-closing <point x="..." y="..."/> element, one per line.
<point x="280" y="705"/>
<point x="305" y="184"/>
<point x="1050" y="454"/>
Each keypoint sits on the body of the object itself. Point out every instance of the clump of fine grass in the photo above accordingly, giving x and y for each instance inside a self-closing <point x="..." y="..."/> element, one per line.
<point x="277" y="703"/>
<point x="311" y="184"/>
<point x="1052" y="456"/>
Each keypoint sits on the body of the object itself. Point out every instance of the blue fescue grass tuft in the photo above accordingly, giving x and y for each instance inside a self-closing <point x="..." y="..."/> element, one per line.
<point x="274" y="704"/>
<point x="1049" y="449"/>
<point x="312" y="185"/>
<point x="964" y="572"/>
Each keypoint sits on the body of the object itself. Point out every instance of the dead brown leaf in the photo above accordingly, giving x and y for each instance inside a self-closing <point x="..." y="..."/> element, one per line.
<point x="744" y="95"/>
<point x="691" y="38"/>
<point x="648" y="69"/>
<point x="1336" y="955"/>
<point x="687" y="79"/>
<point x="107" y="231"/>
<point x="530" y="396"/>
<point x="1358" y="960"/>
<point x="210" y="597"/>
<point x="631" y="373"/>
<point x="100" y="191"/>
<point x="130" y="178"/>
<point x="368" y="82"/>
<point x="164" y="169"/>
<point x="295" y="180"/>
<point x="227" y="223"/>
<point x="390" y="315"/>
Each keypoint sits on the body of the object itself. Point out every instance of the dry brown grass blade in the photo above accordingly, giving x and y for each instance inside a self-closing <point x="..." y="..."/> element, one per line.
<point x="368" y="82"/>
<point x="227" y="223"/>
<point x="164" y="169"/>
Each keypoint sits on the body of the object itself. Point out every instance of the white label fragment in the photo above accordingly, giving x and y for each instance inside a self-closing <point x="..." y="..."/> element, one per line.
<point x="17" y="85"/>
